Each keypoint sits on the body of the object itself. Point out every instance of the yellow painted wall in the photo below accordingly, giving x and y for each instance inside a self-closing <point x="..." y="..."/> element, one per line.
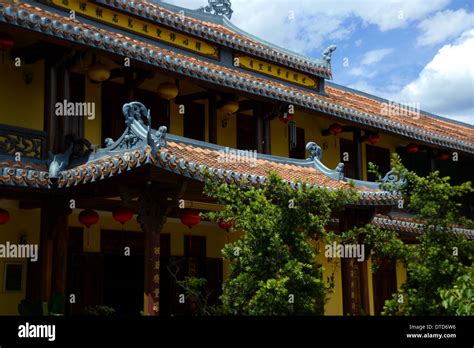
<point x="227" y="136"/>
<point x="313" y="126"/>
<point x="215" y="239"/>
<point x="333" y="306"/>
<point x="93" y="128"/>
<point x="370" y="285"/>
<point x="22" y="222"/>
<point x="401" y="272"/>
<point x="22" y="105"/>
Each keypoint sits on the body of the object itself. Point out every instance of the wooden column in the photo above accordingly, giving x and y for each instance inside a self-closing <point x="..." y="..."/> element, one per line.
<point x="129" y="84"/>
<point x="358" y="154"/>
<point x="152" y="214"/>
<point x="346" y="274"/>
<point x="153" y="209"/>
<point x="212" y="118"/>
<point x="355" y="218"/>
<point x="60" y="249"/>
<point x="267" y="139"/>
<point x="50" y="98"/>
<point x="53" y="249"/>
<point x="258" y="114"/>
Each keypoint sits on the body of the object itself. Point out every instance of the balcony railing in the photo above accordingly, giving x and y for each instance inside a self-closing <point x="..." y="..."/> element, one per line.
<point x="27" y="142"/>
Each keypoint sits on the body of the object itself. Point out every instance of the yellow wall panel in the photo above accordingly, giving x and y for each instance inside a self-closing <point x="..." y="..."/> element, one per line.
<point x="93" y="128"/>
<point x="22" y="104"/>
<point x="22" y="222"/>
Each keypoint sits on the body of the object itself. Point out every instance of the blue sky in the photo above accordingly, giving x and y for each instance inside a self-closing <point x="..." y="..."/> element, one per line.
<point x="410" y="51"/>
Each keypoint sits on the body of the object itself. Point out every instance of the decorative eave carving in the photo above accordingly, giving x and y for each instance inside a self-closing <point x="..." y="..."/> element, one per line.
<point x="219" y="8"/>
<point x="315" y="156"/>
<point x="137" y="134"/>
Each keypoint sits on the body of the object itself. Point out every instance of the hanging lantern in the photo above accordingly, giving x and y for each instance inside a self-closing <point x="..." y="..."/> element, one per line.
<point x="230" y="107"/>
<point x="412" y="148"/>
<point x="286" y="117"/>
<point x="88" y="217"/>
<point x="335" y="129"/>
<point x="98" y="72"/>
<point x="373" y="139"/>
<point x="225" y="225"/>
<point x="4" y="216"/>
<point x="6" y="41"/>
<point x="444" y="156"/>
<point x="190" y="217"/>
<point x="122" y="214"/>
<point x="167" y="90"/>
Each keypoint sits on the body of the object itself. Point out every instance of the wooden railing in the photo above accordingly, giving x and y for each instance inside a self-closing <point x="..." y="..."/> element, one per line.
<point x="28" y="142"/>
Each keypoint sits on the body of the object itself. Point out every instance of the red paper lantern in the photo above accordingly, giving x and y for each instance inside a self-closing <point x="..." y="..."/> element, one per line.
<point x="190" y="217"/>
<point x="88" y="217"/>
<point x="4" y="216"/>
<point x="335" y="129"/>
<point x="286" y="117"/>
<point x="122" y="214"/>
<point x="412" y="148"/>
<point x="444" y="156"/>
<point x="6" y="41"/>
<point x="225" y="225"/>
<point x="373" y="139"/>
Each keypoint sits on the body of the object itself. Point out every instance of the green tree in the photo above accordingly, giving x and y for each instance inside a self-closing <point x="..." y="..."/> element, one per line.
<point x="441" y="255"/>
<point x="459" y="300"/>
<point x="273" y="267"/>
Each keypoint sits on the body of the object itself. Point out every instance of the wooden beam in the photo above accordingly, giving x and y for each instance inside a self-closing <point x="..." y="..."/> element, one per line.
<point x="203" y="206"/>
<point x="37" y="51"/>
<point x="53" y="248"/>
<point x="188" y="98"/>
<point x="258" y="114"/>
<point x="152" y="214"/>
<point x="212" y="119"/>
<point x="247" y="104"/>
<point x="50" y="97"/>
<point x="358" y="154"/>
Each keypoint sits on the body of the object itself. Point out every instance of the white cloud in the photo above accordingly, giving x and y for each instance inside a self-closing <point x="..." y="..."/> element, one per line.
<point x="375" y="56"/>
<point x="444" y="25"/>
<point x="369" y="59"/>
<point x="446" y="84"/>
<point x="318" y="20"/>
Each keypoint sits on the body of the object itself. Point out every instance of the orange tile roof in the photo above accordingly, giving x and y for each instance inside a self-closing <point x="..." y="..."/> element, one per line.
<point x="259" y="167"/>
<point x="408" y="224"/>
<point x="218" y="33"/>
<point x="408" y="117"/>
<point x="343" y="105"/>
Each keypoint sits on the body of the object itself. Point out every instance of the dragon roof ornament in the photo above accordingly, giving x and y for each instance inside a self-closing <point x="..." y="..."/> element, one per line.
<point x="219" y="8"/>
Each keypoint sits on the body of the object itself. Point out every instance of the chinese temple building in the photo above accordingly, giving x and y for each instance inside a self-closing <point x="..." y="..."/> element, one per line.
<point x="113" y="111"/>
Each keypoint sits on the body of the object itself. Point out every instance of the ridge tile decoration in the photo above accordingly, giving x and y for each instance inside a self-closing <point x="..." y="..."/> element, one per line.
<point x="219" y="33"/>
<point x="409" y="225"/>
<point x="273" y="70"/>
<point x="139" y="26"/>
<point x="337" y="102"/>
<point x="185" y="157"/>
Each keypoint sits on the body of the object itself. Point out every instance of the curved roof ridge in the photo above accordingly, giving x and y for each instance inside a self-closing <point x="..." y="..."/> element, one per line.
<point x="220" y="31"/>
<point x="234" y="27"/>
<point x="217" y="19"/>
<point x="342" y="105"/>
<point x="382" y="99"/>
